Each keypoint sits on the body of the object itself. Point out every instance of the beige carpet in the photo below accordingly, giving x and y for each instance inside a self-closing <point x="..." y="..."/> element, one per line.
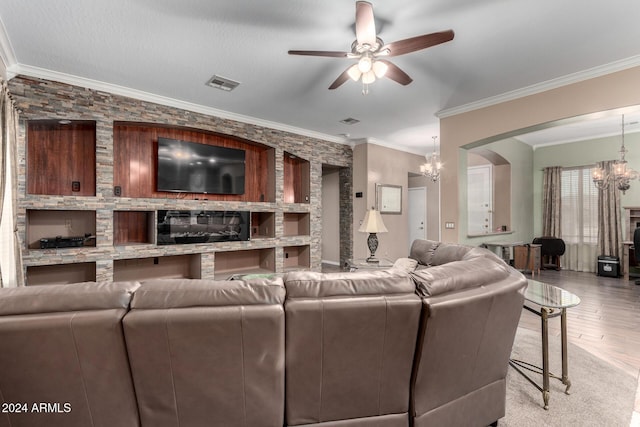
<point x="601" y="394"/>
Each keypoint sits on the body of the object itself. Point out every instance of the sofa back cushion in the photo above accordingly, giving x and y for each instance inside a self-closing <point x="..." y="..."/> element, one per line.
<point x="423" y="251"/>
<point x="463" y="353"/>
<point x="309" y="284"/>
<point x="64" y="344"/>
<point x="350" y="341"/>
<point x="62" y="298"/>
<point x="459" y="275"/>
<point x="205" y="351"/>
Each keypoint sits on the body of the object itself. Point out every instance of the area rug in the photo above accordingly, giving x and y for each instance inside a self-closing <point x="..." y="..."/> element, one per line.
<point x="601" y="394"/>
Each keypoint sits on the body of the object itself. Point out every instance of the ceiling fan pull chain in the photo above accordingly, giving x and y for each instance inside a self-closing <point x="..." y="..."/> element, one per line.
<point x="365" y="89"/>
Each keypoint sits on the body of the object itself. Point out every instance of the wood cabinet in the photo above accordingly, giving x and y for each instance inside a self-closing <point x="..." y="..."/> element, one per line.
<point x="528" y="258"/>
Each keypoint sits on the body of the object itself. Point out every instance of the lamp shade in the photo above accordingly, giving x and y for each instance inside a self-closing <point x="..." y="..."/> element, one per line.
<point x="372" y="223"/>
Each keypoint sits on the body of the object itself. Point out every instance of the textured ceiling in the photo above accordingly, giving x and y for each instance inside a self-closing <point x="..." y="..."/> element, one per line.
<point x="171" y="48"/>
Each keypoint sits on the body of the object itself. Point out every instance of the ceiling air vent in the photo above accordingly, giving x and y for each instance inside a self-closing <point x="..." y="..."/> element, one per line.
<point x="350" y="121"/>
<point x="222" y="83"/>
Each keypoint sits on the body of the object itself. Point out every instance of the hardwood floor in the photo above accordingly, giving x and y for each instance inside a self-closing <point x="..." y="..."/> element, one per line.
<point x="606" y="323"/>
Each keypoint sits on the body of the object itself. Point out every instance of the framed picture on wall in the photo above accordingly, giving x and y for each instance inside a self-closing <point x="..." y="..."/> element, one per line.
<point x="389" y="198"/>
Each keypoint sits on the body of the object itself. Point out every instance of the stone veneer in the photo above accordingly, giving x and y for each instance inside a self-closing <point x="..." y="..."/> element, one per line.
<point x="39" y="99"/>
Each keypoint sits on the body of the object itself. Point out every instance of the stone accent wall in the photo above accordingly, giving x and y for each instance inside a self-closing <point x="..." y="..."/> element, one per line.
<point x="39" y="99"/>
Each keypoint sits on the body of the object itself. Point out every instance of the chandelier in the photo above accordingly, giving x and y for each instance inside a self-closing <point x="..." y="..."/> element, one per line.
<point x="620" y="175"/>
<point x="432" y="168"/>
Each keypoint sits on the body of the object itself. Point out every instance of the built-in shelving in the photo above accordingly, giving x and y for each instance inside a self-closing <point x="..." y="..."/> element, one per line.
<point x="296" y="257"/>
<point x="296" y="224"/>
<point x="120" y="219"/>
<point x="133" y="227"/>
<point x="61" y="158"/>
<point x="296" y="179"/>
<point x="163" y="267"/>
<point x="61" y="274"/>
<point x="263" y="225"/>
<point x="51" y="224"/>
<point x="244" y="261"/>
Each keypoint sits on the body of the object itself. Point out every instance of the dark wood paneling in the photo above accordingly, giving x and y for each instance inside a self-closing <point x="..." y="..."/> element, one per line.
<point x="296" y="179"/>
<point x="131" y="227"/>
<point x="135" y="166"/>
<point x="59" y="154"/>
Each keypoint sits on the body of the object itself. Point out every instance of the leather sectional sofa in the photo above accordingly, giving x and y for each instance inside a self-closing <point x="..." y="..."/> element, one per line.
<point x="424" y="344"/>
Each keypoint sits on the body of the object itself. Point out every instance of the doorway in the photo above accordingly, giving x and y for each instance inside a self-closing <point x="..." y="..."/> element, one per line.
<point x="479" y="199"/>
<point x="330" y="215"/>
<point x="417" y="216"/>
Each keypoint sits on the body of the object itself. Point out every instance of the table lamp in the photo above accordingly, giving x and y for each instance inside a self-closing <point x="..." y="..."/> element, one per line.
<point x="372" y="224"/>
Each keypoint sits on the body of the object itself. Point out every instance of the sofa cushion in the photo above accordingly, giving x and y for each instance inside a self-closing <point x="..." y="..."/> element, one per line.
<point x="423" y="250"/>
<point x="308" y="284"/>
<point x="65" y="298"/>
<point x="405" y="264"/>
<point x="181" y="293"/>
<point x="459" y="275"/>
<point x="449" y="252"/>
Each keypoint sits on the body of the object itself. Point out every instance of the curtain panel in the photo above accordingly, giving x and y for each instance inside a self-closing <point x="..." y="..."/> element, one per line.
<point x="551" y="192"/>
<point x="11" y="261"/>
<point x="609" y="216"/>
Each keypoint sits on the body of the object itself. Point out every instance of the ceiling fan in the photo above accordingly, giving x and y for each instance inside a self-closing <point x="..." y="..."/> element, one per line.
<point x="370" y="51"/>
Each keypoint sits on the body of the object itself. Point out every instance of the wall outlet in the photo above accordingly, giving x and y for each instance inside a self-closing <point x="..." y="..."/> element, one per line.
<point x="450" y="225"/>
<point x="75" y="186"/>
<point x="67" y="224"/>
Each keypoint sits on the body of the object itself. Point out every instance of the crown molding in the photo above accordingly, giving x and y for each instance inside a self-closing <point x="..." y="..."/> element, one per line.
<point x="386" y="144"/>
<point x="42" y="73"/>
<point x="7" y="55"/>
<point x="580" y="76"/>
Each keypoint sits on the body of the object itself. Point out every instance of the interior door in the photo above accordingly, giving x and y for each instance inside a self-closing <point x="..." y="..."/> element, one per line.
<point x="479" y="199"/>
<point x="417" y="214"/>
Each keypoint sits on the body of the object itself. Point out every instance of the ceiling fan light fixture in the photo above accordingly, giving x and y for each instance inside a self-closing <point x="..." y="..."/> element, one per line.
<point x="354" y="73"/>
<point x="368" y="77"/>
<point x="364" y="64"/>
<point x="380" y="69"/>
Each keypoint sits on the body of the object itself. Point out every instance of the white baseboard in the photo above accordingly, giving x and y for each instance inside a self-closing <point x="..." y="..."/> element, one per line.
<point x="331" y="262"/>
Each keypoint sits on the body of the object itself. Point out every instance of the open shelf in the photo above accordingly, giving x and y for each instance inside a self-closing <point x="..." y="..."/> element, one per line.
<point x="133" y="227"/>
<point x="297" y="223"/>
<point x="263" y="225"/>
<point x="163" y="267"/>
<point x="296" y="257"/>
<point x="61" y="158"/>
<point x="61" y="274"/>
<point x="49" y="224"/>
<point x="296" y="179"/>
<point x="244" y="261"/>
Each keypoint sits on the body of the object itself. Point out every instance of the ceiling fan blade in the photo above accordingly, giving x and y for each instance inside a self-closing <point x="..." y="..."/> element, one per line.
<point x="417" y="43"/>
<point x="342" y="78"/>
<point x="395" y="73"/>
<point x="365" y="23"/>
<point x="329" y="53"/>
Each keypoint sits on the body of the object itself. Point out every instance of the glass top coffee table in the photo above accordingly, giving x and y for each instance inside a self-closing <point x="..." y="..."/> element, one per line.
<point x="552" y="302"/>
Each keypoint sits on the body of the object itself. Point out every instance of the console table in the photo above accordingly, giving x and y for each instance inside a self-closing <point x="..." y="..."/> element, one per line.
<point x="553" y="302"/>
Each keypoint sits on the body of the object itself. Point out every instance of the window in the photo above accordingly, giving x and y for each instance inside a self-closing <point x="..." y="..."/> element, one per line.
<point x="579" y="206"/>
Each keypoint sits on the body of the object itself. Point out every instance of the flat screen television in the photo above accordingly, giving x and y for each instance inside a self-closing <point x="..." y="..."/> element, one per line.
<point x="199" y="168"/>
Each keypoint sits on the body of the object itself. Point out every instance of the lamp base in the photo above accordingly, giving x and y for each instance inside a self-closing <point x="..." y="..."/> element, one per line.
<point x="372" y="242"/>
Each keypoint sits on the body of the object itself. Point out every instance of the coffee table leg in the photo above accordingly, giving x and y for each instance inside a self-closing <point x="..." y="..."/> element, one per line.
<point x="565" y="363"/>
<point x="544" y="312"/>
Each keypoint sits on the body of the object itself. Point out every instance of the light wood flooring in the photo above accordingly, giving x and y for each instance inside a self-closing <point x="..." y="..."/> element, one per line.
<point x="606" y="323"/>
